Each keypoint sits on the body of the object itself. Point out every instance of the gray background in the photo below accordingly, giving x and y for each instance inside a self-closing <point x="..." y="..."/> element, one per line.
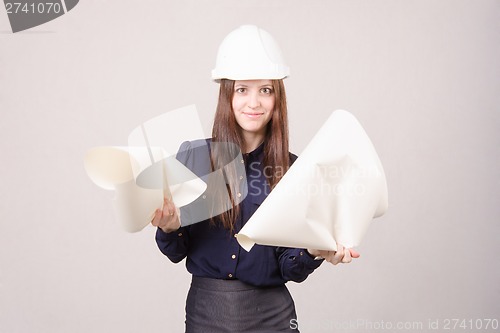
<point x="423" y="78"/>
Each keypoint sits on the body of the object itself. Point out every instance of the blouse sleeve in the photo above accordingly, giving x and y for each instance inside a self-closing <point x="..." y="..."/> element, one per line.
<point x="296" y="264"/>
<point x="173" y="244"/>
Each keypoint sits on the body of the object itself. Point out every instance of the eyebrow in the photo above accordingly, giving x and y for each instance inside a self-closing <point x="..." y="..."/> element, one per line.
<point x="245" y="86"/>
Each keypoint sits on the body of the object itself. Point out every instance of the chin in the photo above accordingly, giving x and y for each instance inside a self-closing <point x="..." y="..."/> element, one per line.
<point x="252" y="129"/>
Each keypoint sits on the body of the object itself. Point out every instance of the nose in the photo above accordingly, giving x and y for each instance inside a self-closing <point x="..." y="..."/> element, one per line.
<point x="253" y="100"/>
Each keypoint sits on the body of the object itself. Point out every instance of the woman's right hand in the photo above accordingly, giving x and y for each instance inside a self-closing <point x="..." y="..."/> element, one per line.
<point x="342" y="255"/>
<point x="167" y="218"/>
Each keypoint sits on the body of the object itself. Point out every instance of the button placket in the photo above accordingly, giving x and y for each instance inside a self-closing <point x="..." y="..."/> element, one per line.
<point x="233" y="255"/>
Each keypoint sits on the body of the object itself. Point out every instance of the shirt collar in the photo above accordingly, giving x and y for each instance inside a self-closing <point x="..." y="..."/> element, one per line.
<point x="256" y="153"/>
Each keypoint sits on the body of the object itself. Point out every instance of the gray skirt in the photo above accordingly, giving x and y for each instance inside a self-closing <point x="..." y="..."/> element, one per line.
<point x="232" y="306"/>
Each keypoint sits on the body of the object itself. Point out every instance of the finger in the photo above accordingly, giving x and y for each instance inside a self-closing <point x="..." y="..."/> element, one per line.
<point x="156" y="218"/>
<point x="171" y="208"/>
<point x="354" y="253"/>
<point x="347" y="257"/>
<point x="167" y="210"/>
<point x="339" y="254"/>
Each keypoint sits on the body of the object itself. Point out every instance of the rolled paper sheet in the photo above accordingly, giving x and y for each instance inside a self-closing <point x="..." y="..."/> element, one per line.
<point x="143" y="173"/>
<point x="134" y="205"/>
<point x="111" y="169"/>
<point x="329" y="195"/>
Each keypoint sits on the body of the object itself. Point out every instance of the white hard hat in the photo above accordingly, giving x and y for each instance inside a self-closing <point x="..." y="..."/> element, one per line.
<point x="249" y="53"/>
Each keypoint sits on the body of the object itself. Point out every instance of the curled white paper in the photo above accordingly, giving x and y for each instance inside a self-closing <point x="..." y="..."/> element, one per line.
<point x="111" y="169"/>
<point x="329" y="196"/>
<point x="146" y="171"/>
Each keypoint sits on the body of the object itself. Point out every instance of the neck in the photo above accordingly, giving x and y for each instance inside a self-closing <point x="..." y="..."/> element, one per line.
<point x="251" y="141"/>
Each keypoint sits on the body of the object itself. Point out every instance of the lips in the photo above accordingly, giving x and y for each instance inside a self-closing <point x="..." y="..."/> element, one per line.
<point x="253" y="114"/>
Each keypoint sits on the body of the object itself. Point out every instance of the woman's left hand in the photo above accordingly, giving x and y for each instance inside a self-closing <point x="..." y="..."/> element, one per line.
<point x="342" y="255"/>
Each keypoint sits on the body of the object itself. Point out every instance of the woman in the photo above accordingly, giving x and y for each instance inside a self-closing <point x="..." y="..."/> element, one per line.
<point x="233" y="290"/>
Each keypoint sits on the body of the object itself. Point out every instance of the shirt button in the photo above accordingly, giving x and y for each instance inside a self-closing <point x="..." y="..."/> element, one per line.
<point x="233" y="256"/>
<point x="241" y="177"/>
<point x="179" y="234"/>
<point x="242" y="161"/>
<point x="235" y="235"/>
<point x="239" y="194"/>
<point x="204" y="196"/>
<point x="230" y="275"/>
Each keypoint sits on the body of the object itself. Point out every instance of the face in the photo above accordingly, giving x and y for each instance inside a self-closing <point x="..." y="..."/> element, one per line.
<point x="253" y="105"/>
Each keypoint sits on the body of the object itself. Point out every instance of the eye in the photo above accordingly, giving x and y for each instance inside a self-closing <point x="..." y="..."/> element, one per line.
<point x="266" y="90"/>
<point x="241" y="90"/>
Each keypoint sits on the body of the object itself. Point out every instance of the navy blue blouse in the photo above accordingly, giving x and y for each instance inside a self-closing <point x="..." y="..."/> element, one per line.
<point x="213" y="251"/>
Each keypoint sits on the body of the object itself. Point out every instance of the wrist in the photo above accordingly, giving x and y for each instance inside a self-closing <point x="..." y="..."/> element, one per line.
<point x="315" y="254"/>
<point x="168" y="230"/>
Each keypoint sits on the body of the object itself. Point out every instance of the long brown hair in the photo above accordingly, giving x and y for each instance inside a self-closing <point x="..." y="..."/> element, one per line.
<point x="276" y="156"/>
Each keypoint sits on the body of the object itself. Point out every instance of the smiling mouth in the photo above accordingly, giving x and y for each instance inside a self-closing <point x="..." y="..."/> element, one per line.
<point x="253" y="114"/>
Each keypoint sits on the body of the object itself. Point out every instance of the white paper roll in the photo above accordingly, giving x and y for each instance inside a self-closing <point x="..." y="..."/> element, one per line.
<point x="146" y="171"/>
<point x="328" y="197"/>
